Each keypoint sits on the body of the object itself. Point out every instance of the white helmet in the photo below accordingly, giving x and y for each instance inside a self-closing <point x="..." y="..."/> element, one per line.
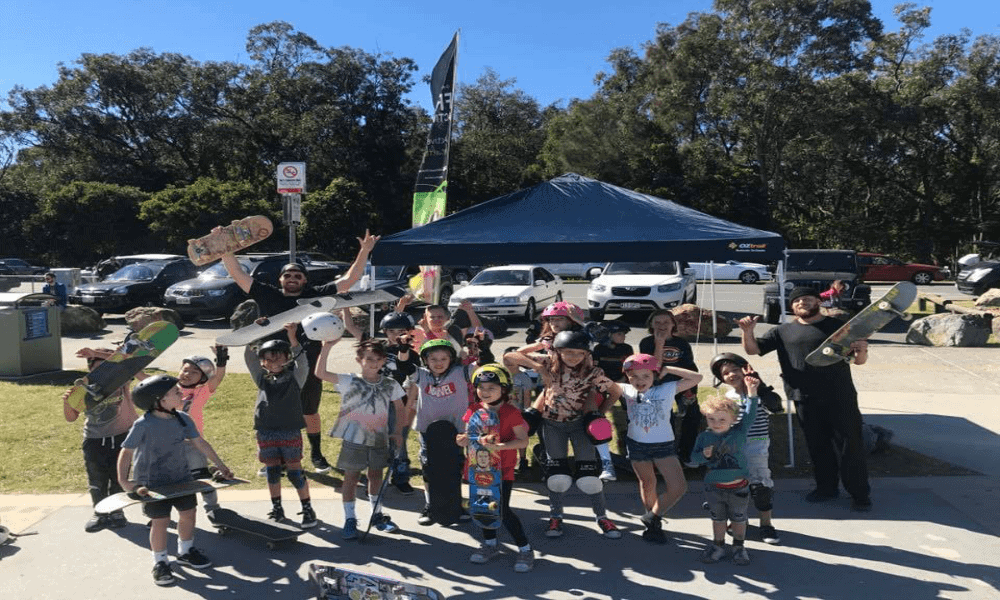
<point x="323" y="327"/>
<point x="203" y="364"/>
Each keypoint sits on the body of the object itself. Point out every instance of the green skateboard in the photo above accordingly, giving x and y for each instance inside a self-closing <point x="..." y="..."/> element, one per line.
<point x="134" y="355"/>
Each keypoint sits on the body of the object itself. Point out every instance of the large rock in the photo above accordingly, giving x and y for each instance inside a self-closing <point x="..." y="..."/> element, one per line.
<point x="139" y="317"/>
<point x="950" y="330"/>
<point x="80" y="319"/>
<point x="690" y="318"/>
<point x="989" y="299"/>
<point x="245" y="314"/>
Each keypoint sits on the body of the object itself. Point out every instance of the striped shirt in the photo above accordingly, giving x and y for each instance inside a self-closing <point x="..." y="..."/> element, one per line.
<point x="761" y="426"/>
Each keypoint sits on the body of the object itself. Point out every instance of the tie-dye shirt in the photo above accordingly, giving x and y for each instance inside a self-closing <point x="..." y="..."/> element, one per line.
<point x="364" y="409"/>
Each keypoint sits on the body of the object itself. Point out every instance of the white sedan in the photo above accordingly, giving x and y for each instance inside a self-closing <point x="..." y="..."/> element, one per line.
<point x="732" y="269"/>
<point x="510" y="291"/>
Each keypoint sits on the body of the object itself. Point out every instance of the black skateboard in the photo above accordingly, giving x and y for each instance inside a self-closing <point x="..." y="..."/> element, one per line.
<point x="443" y="472"/>
<point x="381" y="492"/>
<point x="273" y="533"/>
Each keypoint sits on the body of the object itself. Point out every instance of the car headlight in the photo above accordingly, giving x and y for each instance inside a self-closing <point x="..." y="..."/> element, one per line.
<point x="597" y="287"/>
<point x="215" y="293"/>
<point x="978" y="274"/>
<point x="120" y="291"/>
<point x="507" y="300"/>
<point x="670" y="287"/>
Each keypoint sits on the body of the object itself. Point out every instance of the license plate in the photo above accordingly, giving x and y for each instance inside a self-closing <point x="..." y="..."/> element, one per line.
<point x="631" y="305"/>
<point x="183" y="300"/>
<point x="87" y="299"/>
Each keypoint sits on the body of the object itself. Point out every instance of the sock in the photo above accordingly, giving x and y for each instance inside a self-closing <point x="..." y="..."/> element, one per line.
<point x="492" y="542"/>
<point x="604" y="451"/>
<point x="525" y="548"/>
<point x="737" y="543"/>
<point x="161" y="556"/>
<point x="600" y="516"/>
<point x="184" y="546"/>
<point x="720" y="543"/>
<point x="306" y="503"/>
<point x="314" y="443"/>
<point x="373" y="501"/>
<point x="427" y="496"/>
<point x="276" y="501"/>
<point x="349" y="510"/>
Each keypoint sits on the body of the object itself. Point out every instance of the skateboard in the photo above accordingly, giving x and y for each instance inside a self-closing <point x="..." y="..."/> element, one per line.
<point x="236" y="236"/>
<point x="443" y="476"/>
<point x="144" y="494"/>
<point x="484" y="473"/>
<point x="135" y="354"/>
<point x="873" y="317"/>
<point x="335" y="582"/>
<point x="225" y="520"/>
<point x="376" y="508"/>
<point x="307" y="306"/>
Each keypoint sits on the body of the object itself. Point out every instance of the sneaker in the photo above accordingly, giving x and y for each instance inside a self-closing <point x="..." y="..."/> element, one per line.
<point x="555" y="527"/>
<point x="117" y="520"/>
<point x="820" y="496"/>
<point x="277" y="514"/>
<point x="162" y="575"/>
<point x="350" y="531"/>
<point x="384" y="524"/>
<point x="713" y="554"/>
<point x="308" y="517"/>
<point x="525" y="561"/>
<point x="655" y="536"/>
<point x="769" y="535"/>
<point x="319" y="464"/>
<point x="741" y="556"/>
<point x="607" y="471"/>
<point x="484" y="553"/>
<point x="194" y="559"/>
<point x="262" y="472"/>
<point x="425" y="517"/>
<point x="608" y="529"/>
<point x="96" y="523"/>
<point x="861" y="505"/>
<point x="522" y="466"/>
<point x="403" y="487"/>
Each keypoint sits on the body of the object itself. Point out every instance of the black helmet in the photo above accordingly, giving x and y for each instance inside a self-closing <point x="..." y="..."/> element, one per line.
<point x="397" y="320"/>
<point x="151" y="390"/>
<point x="274" y="346"/>
<point x="616" y="326"/>
<point x="716" y="365"/>
<point x="572" y="340"/>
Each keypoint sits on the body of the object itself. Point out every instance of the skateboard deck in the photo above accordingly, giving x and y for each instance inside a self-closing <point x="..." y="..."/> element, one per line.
<point x="196" y="486"/>
<point x="335" y="582"/>
<point x="873" y="317"/>
<point x="234" y="237"/>
<point x="225" y="520"/>
<point x="484" y="473"/>
<point x="443" y="476"/>
<point x="135" y="354"/>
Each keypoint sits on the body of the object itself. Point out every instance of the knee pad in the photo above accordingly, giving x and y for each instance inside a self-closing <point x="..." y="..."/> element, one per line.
<point x="762" y="496"/>
<point x="586" y="477"/>
<point x="559" y="479"/>
<point x="296" y="478"/>
<point x="274" y="474"/>
<point x="559" y="483"/>
<point x="598" y="428"/>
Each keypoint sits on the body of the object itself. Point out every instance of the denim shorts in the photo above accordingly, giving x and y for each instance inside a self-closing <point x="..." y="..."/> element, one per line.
<point x="642" y="452"/>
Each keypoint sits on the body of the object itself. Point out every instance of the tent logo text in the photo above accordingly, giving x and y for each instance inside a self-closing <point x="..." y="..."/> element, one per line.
<point x="747" y="247"/>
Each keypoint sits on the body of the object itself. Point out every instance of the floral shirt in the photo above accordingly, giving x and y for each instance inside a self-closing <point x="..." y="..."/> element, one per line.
<point x="566" y="395"/>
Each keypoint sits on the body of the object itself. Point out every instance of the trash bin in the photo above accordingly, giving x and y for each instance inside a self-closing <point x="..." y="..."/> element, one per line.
<point x="30" y="339"/>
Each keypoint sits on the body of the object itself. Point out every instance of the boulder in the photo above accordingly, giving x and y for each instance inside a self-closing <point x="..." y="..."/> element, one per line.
<point x="950" y="330"/>
<point x="80" y="319"/>
<point x="139" y="317"/>
<point x="690" y="318"/>
<point x="989" y="299"/>
<point x="246" y="313"/>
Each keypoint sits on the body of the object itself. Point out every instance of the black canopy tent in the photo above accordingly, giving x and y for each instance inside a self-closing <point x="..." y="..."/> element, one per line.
<point x="576" y="219"/>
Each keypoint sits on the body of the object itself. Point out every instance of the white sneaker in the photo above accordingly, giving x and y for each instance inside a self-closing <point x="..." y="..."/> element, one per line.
<point x="484" y="554"/>
<point x="608" y="471"/>
<point x="525" y="561"/>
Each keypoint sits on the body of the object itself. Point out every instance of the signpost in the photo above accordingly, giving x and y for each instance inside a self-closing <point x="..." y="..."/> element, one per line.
<point x="291" y="185"/>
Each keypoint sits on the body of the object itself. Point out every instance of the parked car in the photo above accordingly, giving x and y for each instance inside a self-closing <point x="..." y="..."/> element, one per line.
<point x="17" y="266"/>
<point x="879" y="267"/>
<point x="113" y="263"/>
<point x="586" y="271"/>
<point x="979" y="277"/>
<point x="514" y="291"/>
<point x="138" y="284"/>
<point x="214" y="294"/>
<point x="731" y="269"/>
<point x="817" y="269"/>
<point x="630" y="286"/>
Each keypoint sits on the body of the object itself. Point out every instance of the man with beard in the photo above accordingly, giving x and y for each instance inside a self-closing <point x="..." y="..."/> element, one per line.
<point x="272" y="300"/>
<point x="826" y="401"/>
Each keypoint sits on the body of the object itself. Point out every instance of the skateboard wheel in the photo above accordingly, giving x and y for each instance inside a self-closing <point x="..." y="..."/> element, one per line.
<point x="906" y="317"/>
<point x="142" y="491"/>
<point x="492" y="506"/>
<point x="883" y="305"/>
<point x="827" y="351"/>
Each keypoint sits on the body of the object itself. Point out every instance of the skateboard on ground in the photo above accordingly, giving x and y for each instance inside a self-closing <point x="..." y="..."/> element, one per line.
<point x="143" y="494"/>
<point x="135" y="354"/>
<point x="225" y="520"/>
<point x="873" y="317"/>
<point x="443" y="476"/>
<point x="377" y="507"/>
<point x="484" y="473"/>
<point x="231" y="238"/>
<point x="335" y="582"/>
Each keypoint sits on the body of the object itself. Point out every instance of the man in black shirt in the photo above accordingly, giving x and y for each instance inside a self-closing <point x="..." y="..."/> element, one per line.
<point x="826" y="401"/>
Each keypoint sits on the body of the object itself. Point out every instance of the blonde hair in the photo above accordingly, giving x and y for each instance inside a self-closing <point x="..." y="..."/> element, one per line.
<point x="718" y="403"/>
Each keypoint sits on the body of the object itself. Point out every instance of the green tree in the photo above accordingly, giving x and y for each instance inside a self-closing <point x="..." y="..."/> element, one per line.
<point x="332" y="218"/>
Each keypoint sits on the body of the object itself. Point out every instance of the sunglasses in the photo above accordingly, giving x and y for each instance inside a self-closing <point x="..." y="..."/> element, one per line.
<point x="298" y="276"/>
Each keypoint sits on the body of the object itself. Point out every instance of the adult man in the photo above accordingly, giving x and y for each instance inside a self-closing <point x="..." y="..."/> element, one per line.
<point x="56" y="289"/>
<point x="273" y="300"/>
<point x="826" y="401"/>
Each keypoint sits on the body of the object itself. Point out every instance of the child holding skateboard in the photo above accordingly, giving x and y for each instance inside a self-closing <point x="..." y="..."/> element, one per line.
<point x="104" y="429"/>
<point x="156" y="442"/>
<point x="493" y="385"/>
<point x="401" y="362"/>
<point x="279" y="369"/>
<point x="722" y="448"/>
<point x="363" y="425"/>
<point x="198" y="379"/>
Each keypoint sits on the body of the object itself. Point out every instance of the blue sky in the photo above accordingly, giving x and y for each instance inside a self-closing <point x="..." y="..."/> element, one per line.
<point x="553" y="48"/>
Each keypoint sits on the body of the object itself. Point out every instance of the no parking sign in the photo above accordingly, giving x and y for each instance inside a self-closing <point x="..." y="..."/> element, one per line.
<point x="292" y="178"/>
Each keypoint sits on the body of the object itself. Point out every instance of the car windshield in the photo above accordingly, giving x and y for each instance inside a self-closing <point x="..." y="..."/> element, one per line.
<point x="138" y="272"/>
<point x="388" y="272"/>
<point x="500" y="278"/>
<point x="821" y="261"/>
<point x="219" y="271"/>
<point x="636" y="268"/>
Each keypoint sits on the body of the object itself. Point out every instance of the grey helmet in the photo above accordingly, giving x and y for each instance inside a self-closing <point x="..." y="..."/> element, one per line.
<point x="203" y="364"/>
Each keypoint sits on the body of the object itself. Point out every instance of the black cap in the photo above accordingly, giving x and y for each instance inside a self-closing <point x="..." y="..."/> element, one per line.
<point x="800" y="291"/>
<point x="293" y="267"/>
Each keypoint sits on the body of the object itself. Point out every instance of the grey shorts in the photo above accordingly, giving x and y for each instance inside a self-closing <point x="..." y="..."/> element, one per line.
<point x="355" y="457"/>
<point x="727" y="504"/>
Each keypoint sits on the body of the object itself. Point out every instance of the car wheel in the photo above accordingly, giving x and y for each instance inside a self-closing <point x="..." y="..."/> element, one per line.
<point x="531" y="311"/>
<point x="772" y="313"/>
<point x="749" y="277"/>
<point x="460" y="276"/>
<point x="922" y="278"/>
<point x="596" y="314"/>
<point x="558" y="297"/>
<point x="445" y="296"/>
<point x="693" y="299"/>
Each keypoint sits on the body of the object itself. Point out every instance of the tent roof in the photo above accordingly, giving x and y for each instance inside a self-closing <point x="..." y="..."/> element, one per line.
<point x="576" y="219"/>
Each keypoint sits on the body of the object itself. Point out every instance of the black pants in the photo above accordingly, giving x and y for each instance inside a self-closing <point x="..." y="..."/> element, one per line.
<point x="100" y="456"/>
<point x="690" y="427"/>
<point x="510" y="520"/>
<point x="832" y="428"/>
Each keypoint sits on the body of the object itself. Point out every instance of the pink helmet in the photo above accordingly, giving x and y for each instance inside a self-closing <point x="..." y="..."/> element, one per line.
<point x="564" y="309"/>
<point x="641" y="362"/>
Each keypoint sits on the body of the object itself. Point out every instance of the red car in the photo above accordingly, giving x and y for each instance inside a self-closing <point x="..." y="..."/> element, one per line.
<point x="879" y="267"/>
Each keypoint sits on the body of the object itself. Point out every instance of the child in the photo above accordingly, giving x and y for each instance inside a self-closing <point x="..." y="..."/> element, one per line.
<point x="363" y="425"/>
<point x="436" y="324"/>
<point x="520" y="398"/>
<point x="571" y="382"/>
<point x="728" y="368"/>
<point x="439" y="391"/>
<point x="198" y="380"/>
<point x="831" y="297"/>
<point x="156" y="443"/>
<point x="401" y="362"/>
<point x="609" y="356"/>
<point x="278" y="418"/>
<point x="558" y="316"/>
<point x="722" y="448"/>
<point x="104" y="429"/>
<point x="493" y="386"/>
<point x="650" y="439"/>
